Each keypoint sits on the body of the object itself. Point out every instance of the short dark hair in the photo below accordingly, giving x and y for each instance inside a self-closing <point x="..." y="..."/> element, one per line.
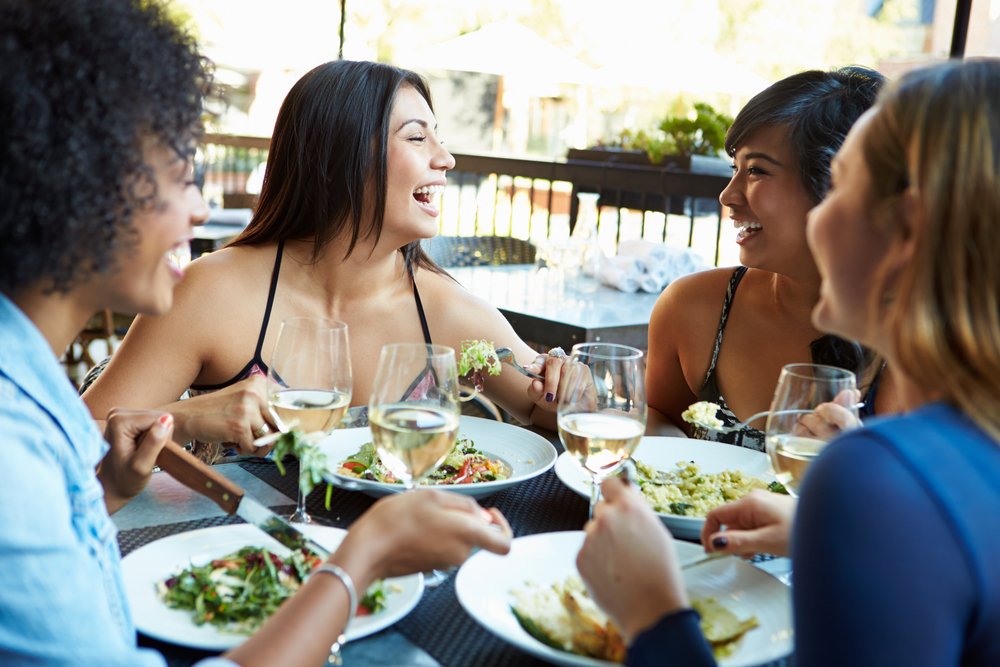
<point x="83" y="83"/>
<point x="328" y="150"/>
<point x="818" y="108"/>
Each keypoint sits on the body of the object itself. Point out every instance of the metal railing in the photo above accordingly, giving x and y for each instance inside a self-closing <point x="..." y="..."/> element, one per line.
<point x="529" y="198"/>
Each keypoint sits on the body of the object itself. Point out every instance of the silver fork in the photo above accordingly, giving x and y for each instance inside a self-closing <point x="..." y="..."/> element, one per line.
<point x="506" y="355"/>
<point x="746" y="422"/>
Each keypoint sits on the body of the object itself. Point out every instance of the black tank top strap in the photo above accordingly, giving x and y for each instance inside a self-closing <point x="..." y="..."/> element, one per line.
<point x="420" y="309"/>
<point x="734" y="282"/>
<point x="270" y="302"/>
<point x="256" y="363"/>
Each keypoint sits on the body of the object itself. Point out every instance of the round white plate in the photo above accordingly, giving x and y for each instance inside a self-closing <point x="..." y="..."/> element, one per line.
<point x="527" y="453"/>
<point x="484" y="584"/>
<point x="663" y="454"/>
<point x="158" y="560"/>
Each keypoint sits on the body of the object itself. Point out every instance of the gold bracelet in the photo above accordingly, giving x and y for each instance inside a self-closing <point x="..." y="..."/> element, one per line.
<point x="352" y="601"/>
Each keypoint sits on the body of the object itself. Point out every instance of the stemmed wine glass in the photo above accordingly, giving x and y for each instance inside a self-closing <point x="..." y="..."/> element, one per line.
<point x="602" y="408"/>
<point x="795" y="434"/>
<point x="414" y="412"/>
<point x="309" y="383"/>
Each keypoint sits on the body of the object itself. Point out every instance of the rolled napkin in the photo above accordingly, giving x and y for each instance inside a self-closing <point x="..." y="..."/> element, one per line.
<point x="622" y="273"/>
<point x="650" y="253"/>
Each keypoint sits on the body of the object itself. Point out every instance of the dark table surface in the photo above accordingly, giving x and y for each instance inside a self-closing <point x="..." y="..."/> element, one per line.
<point x="438" y="631"/>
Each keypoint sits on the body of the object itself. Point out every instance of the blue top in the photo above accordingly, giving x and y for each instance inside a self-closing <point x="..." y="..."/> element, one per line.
<point x="896" y="549"/>
<point x="62" y="601"/>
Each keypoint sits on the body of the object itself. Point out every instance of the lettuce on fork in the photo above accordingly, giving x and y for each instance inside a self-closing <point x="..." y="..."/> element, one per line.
<point x="478" y="356"/>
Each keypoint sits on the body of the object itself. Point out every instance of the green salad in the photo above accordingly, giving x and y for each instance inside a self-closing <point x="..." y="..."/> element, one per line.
<point x="238" y="592"/>
<point x="478" y="356"/>
<point x="464" y="465"/>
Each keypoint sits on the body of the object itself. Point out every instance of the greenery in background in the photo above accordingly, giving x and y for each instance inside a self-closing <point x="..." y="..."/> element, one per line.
<point x="701" y="133"/>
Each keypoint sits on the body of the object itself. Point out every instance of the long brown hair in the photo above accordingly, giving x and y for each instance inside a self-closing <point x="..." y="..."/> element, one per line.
<point x="328" y="149"/>
<point x="937" y="134"/>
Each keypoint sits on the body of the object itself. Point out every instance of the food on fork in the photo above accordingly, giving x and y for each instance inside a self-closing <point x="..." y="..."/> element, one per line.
<point x="478" y="356"/>
<point x="704" y="414"/>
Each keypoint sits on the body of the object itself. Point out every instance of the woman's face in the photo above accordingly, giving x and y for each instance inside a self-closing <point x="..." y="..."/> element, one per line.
<point x="417" y="163"/>
<point x="768" y="204"/>
<point x="146" y="278"/>
<point x="848" y="248"/>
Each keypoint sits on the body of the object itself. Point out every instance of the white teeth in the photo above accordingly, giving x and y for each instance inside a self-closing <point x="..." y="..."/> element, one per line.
<point x="179" y="255"/>
<point x="744" y="225"/>
<point x="429" y="190"/>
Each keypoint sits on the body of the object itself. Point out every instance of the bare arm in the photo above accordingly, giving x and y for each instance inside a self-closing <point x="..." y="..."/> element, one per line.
<point x="400" y="534"/>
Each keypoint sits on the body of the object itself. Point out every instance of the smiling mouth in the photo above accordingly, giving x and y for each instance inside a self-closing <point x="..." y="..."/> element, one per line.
<point x="179" y="256"/>
<point x="427" y="193"/>
<point x="746" y="229"/>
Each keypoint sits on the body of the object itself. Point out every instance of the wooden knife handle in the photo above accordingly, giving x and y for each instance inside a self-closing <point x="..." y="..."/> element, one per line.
<point x="198" y="476"/>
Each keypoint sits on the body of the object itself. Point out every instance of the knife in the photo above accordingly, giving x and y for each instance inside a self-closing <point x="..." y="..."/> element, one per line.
<point x="706" y="558"/>
<point x="198" y="476"/>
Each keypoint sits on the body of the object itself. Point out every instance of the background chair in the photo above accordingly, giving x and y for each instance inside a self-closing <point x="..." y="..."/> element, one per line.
<point x="478" y="250"/>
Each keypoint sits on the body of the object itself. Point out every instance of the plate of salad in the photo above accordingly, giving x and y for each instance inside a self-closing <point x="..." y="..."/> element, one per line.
<point x="489" y="456"/>
<point x="240" y="563"/>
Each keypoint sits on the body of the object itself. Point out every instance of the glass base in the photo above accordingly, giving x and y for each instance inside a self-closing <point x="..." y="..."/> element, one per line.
<point x="300" y="516"/>
<point x="434" y="578"/>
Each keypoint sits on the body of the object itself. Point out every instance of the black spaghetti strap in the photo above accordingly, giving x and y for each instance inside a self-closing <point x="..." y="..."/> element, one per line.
<point x="420" y="310"/>
<point x="270" y="302"/>
<point x="726" y="305"/>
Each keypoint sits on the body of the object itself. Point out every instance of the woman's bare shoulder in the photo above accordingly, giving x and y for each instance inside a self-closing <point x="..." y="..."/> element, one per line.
<point x="696" y="294"/>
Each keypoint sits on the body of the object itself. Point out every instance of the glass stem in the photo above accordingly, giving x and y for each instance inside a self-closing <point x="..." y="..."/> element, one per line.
<point x="595" y="494"/>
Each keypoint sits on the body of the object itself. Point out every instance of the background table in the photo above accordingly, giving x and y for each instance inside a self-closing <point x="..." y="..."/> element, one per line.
<point x="549" y="311"/>
<point x="438" y="631"/>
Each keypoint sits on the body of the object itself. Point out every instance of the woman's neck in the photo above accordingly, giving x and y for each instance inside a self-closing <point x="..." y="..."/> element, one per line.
<point x="59" y="316"/>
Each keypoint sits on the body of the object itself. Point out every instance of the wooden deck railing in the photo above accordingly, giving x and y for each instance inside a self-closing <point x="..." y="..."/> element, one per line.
<point x="529" y="198"/>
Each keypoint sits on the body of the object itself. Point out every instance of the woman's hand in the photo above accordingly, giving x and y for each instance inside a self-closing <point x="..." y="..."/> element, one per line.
<point x="545" y="393"/>
<point x="628" y="561"/>
<point x="420" y="530"/>
<point x="759" y="522"/>
<point x="136" y="438"/>
<point x="829" y="420"/>
<point x="236" y="414"/>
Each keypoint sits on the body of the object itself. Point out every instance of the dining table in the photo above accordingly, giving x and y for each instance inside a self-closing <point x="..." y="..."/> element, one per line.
<point x="550" y="308"/>
<point x="438" y="632"/>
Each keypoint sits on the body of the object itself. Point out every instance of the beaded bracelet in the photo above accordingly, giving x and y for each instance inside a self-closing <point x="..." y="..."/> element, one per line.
<point x="352" y="601"/>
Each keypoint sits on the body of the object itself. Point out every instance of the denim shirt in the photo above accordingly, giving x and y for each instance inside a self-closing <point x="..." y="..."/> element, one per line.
<point x="62" y="599"/>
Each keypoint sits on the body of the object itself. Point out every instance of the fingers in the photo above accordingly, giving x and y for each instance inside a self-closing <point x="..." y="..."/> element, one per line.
<point x="152" y="442"/>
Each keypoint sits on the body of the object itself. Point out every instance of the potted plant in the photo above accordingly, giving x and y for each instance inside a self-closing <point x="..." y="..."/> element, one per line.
<point x="672" y="143"/>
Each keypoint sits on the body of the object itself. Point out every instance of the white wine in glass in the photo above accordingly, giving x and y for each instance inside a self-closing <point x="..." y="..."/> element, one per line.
<point x="309" y="382"/>
<point x="414" y="413"/>
<point x="602" y="408"/>
<point x="793" y="440"/>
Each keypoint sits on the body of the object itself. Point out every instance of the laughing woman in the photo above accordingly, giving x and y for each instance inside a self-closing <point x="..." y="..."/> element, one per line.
<point x="101" y="105"/>
<point x="896" y="543"/>
<point x="354" y="174"/>
<point x="723" y="335"/>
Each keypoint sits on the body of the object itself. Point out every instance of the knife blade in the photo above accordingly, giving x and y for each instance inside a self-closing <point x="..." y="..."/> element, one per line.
<point x="707" y="558"/>
<point x="200" y="477"/>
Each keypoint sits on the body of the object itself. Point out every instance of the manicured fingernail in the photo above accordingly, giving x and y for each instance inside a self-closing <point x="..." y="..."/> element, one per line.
<point x="487" y="516"/>
<point x="550" y="397"/>
<point x="720" y="542"/>
<point x="165" y="421"/>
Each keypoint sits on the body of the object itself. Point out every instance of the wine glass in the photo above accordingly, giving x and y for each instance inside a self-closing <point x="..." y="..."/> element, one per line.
<point x="414" y="413"/>
<point x="602" y="408"/>
<point x="792" y="439"/>
<point x="309" y="383"/>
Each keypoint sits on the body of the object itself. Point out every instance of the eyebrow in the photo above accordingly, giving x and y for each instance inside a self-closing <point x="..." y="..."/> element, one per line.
<point x="419" y="121"/>
<point x="763" y="156"/>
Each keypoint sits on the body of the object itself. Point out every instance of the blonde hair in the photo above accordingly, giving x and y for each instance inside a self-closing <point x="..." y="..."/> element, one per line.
<point x="936" y="134"/>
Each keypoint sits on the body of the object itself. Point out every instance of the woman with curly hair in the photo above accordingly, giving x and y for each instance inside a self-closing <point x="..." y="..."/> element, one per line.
<point x="723" y="335"/>
<point x="354" y="173"/>
<point x="101" y="107"/>
<point x="896" y="541"/>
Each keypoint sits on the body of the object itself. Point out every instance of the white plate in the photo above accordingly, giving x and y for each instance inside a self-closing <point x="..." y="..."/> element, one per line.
<point x="663" y="454"/>
<point x="484" y="584"/>
<point x="527" y="453"/>
<point x="158" y="560"/>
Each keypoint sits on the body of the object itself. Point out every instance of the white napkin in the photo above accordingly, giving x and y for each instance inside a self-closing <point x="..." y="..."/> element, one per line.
<point x="622" y="273"/>
<point x="660" y="264"/>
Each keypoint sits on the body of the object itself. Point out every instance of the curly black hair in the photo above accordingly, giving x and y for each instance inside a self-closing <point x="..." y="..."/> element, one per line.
<point x="83" y="84"/>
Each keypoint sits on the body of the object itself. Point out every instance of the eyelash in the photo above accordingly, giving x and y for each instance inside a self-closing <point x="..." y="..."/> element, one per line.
<point x="419" y="139"/>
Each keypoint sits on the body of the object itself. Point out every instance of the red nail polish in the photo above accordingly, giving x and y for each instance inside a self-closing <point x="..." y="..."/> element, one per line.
<point x="167" y="420"/>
